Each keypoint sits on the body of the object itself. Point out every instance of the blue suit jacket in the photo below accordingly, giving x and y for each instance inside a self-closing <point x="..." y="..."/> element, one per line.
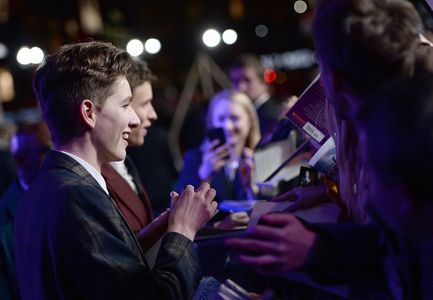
<point x="225" y="188"/>
<point x="8" y="206"/>
<point x="72" y="242"/>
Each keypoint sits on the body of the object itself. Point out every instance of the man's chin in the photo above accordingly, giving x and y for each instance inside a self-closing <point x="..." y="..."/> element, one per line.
<point x="119" y="156"/>
<point x="136" y="142"/>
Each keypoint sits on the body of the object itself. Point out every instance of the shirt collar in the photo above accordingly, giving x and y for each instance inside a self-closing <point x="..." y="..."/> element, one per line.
<point x="262" y="100"/>
<point x="97" y="175"/>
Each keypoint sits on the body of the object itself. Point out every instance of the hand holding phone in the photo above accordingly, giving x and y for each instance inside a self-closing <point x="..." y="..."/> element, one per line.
<point x="216" y="134"/>
<point x="215" y="154"/>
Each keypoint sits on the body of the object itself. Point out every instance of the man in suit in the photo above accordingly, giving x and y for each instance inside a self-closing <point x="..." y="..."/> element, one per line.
<point x="71" y="239"/>
<point x="247" y="75"/>
<point x="122" y="178"/>
<point x="28" y="147"/>
<point x="7" y="164"/>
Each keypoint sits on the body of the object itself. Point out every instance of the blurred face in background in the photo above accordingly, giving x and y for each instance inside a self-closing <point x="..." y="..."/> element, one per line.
<point x="247" y="81"/>
<point x="142" y="105"/>
<point x="28" y="147"/>
<point x="235" y="121"/>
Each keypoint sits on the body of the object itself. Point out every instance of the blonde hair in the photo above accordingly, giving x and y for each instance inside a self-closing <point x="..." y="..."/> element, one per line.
<point x="246" y="103"/>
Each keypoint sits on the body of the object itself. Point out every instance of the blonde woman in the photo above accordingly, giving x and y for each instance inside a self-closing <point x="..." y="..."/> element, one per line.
<point x="229" y="166"/>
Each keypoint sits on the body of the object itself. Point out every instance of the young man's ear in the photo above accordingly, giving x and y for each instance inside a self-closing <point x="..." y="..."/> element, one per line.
<point x="87" y="113"/>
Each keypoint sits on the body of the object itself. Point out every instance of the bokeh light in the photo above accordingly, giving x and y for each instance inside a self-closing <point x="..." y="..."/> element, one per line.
<point x="230" y="36"/>
<point x="270" y="75"/>
<point x="135" y="47"/>
<point x="211" y="38"/>
<point x="300" y="6"/>
<point x="152" y="46"/>
<point x="261" y="30"/>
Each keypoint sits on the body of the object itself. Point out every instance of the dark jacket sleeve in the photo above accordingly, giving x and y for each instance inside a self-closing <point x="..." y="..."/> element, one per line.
<point x="349" y="253"/>
<point x="96" y="242"/>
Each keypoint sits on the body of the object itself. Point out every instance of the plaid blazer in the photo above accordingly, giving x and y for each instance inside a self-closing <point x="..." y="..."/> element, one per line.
<point x="71" y="242"/>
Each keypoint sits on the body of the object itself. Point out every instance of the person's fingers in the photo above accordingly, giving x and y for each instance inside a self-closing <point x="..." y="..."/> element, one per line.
<point x="210" y="195"/>
<point x="234" y="286"/>
<point x="248" y="152"/>
<point x="163" y="215"/>
<point x="252" y="246"/>
<point x="209" y="146"/>
<point x="277" y="219"/>
<point x="188" y="189"/>
<point x="186" y="192"/>
<point x="239" y="215"/>
<point x="265" y="261"/>
<point x="213" y="208"/>
<point x="230" y="294"/>
<point x="217" y="161"/>
<point x="239" y="218"/>
<point x="173" y="197"/>
<point x="265" y="232"/>
<point x="161" y="220"/>
<point x="221" y="152"/>
<point x="219" y="164"/>
<point x="202" y="189"/>
<point x="214" y="143"/>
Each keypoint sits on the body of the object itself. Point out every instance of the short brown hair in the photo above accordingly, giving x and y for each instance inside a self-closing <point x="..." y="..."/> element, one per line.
<point x="139" y="74"/>
<point x="370" y="42"/>
<point x="74" y="73"/>
<point x="252" y="61"/>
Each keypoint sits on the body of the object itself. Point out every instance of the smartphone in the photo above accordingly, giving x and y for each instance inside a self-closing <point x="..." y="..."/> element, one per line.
<point x="216" y="134"/>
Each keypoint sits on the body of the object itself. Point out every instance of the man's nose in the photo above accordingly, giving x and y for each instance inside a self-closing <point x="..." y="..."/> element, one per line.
<point x="134" y="121"/>
<point x="153" y="115"/>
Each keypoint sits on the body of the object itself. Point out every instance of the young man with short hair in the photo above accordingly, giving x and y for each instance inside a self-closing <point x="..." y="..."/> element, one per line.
<point x="71" y="239"/>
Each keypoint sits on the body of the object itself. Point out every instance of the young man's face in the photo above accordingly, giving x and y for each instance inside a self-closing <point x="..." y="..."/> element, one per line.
<point x="142" y="105"/>
<point x="247" y="81"/>
<point x="114" y="123"/>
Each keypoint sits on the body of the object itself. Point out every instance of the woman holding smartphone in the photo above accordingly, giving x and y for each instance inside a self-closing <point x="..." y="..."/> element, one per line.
<point x="225" y="158"/>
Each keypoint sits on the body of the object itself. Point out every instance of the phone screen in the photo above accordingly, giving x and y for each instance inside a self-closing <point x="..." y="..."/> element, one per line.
<point x="216" y="134"/>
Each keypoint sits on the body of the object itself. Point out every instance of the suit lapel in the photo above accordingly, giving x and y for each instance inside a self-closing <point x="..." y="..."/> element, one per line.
<point x="57" y="159"/>
<point x="141" y="192"/>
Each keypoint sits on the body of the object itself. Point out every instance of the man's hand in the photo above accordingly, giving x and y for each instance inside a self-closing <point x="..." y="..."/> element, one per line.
<point x="230" y="290"/>
<point x="278" y="244"/>
<point x="191" y="210"/>
<point x="152" y="232"/>
<point x="236" y="220"/>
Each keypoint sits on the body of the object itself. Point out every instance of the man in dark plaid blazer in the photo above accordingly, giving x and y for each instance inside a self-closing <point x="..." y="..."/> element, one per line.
<point x="71" y="239"/>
